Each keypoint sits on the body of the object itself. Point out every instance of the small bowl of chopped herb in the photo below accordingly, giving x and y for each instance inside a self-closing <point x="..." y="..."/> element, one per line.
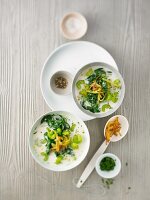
<point x="108" y="165"/>
<point x="61" y="82"/>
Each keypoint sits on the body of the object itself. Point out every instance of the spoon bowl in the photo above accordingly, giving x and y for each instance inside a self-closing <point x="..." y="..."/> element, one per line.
<point x="124" y="127"/>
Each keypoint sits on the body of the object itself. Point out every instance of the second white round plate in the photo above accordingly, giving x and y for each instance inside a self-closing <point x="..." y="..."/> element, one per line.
<point x="70" y="57"/>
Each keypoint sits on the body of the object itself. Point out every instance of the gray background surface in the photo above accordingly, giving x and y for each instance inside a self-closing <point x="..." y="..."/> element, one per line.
<point x="29" y="31"/>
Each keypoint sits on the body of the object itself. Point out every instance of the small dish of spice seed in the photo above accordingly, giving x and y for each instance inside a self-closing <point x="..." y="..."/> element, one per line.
<point x="61" y="82"/>
<point x="108" y="165"/>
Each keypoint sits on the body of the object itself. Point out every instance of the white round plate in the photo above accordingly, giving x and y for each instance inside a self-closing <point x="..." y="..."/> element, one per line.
<point x="80" y="153"/>
<point x="70" y="57"/>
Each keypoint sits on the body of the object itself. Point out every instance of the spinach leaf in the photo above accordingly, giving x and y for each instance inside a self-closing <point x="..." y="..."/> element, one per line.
<point x="68" y="151"/>
<point x="91" y="103"/>
<point x="56" y="121"/>
<point x="92" y="98"/>
<point x="99" y="72"/>
<point x="46" y="118"/>
<point x="94" y="108"/>
<point x="104" y="86"/>
<point x="91" y="78"/>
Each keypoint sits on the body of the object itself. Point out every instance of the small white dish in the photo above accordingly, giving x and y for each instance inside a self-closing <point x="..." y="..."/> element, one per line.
<point x="70" y="57"/>
<point x="73" y="26"/>
<point x="61" y="91"/>
<point x="80" y="153"/>
<point x="108" y="174"/>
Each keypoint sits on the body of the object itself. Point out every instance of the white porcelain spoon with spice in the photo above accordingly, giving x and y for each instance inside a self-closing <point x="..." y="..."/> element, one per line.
<point x="123" y="130"/>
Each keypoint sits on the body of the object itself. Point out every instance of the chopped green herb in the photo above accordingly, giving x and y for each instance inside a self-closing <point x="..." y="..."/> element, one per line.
<point x="107" y="164"/>
<point x="107" y="182"/>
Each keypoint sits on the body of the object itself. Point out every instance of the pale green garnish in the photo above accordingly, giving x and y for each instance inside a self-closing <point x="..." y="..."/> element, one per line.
<point x="74" y="145"/>
<point x="112" y="97"/>
<point x="66" y="132"/>
<point x="43" y="141"/>
<point x="45" y="155"/>
<point x="83" y="92"/>
<point x="59" y="131"/>
<point x="58" y="159"/>
<point x="52" y="134"/>
<point x="79" y="83"/>
<point x="117" y="83"/>
<point x="77" y="138"/>
<point x="72" y="127"/>
<point x="105" y="106"/>
<point x="89" y="72"/>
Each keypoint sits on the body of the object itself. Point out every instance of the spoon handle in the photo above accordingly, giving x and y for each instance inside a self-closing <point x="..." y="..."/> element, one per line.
<point x="89" y="168"/>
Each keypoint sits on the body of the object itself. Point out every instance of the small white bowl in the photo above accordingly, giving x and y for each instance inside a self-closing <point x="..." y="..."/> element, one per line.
<point x="73" y="26"/>
<point x="61" y="91"/>
<point x="108" y="174"/>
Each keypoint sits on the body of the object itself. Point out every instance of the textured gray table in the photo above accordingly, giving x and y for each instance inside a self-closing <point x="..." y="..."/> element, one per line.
<point x="29" y="31"/>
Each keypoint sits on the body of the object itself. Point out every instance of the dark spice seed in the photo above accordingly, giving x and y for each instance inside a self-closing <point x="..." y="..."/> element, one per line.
<point x="61" y="82"/>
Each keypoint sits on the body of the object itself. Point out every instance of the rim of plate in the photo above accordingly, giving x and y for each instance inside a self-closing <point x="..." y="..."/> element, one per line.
<point x="67" y="167"/>
<point x="52" y="53"/>
<point x="105" y="114"/>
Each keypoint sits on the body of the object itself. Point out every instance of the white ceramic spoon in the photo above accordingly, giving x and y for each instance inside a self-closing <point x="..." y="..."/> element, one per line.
<point x="89" y="168"/>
